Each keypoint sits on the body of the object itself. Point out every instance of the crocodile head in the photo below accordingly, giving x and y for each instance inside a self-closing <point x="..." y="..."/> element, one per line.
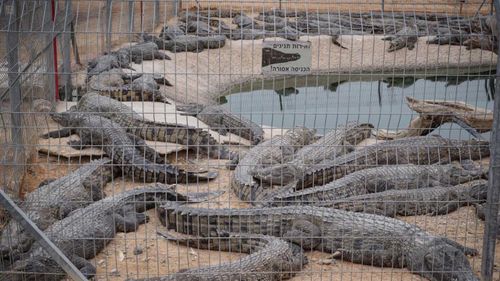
<point x="438" y="260"/>
<point x="463" y="172"/>
<point x="301" y="135"/>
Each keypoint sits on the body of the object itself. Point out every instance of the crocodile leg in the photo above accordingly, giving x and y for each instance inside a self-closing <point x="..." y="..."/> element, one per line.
<point x="62" y="133"/>
<point x="148" y="152"/>
<point x="304" y="233"/>
<point x="129" y="222"/>
<point x="446" y="209"/>
<point x="85" y="267"/>
<point x="466" y="250"/>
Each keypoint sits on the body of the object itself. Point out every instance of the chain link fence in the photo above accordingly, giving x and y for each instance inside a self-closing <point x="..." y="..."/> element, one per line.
<point x="248" y="140"/>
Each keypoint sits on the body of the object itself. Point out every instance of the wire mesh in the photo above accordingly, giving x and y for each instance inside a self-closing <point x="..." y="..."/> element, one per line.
<point x="145" y="139"/>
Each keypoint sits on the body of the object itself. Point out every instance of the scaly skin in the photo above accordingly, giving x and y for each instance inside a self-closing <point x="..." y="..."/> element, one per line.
<point x="378" y="179"/>
<point x="275" y="150"/>
<point x="54" y="201"/>
<point x="270" y="259"/>
<point x="115" y="142"/>
<point x="433" y="200"/>
<point x="356" y="237"/>
<point x="134" y="123"/>
<point x="481" y="215"/>
<point x="223" y="121"/>
<point x="406" y="37"/>
<point x="326" y="148"/>
<point x="86" y="232"/>
<point x="415" y="150"/>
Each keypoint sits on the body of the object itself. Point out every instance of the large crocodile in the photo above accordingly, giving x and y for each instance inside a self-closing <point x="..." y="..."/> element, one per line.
<point x="122" y="86"/>
<point x="270" y="259"/>
<point x="273" y="151"/>
<point x="117" y="144"/>
<point x="85" y="232"/>
<point x="143" y="51"/>
<point x="406" y="37"/>
<point x="223" y="121"/>
<point x="414" y="150"/>
<point x="377" y="179"/>
<point x="326" y="148"/>
<point x="357" y="237"/>
<point x="54" y="201"/>
<point x="134" y="123"/>
<point x="439" y="200"/>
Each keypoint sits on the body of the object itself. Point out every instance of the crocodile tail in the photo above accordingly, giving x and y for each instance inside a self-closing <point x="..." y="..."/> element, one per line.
<point x="277" y="174"/>
<point x="190" y="177"/>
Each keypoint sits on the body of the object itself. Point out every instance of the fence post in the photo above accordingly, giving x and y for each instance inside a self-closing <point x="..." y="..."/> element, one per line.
<point x="12" y="48"/>
<point x="491" y="210"/>
<point x="109" y="27"/>
<point x="66" y="51"/>
<point x="49" y="55"/>
<point x="131" y="16"/>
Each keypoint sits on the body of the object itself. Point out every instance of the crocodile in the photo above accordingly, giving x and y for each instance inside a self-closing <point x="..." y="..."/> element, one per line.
<point x="406" y="37"/>
<point x="86" y="232"/>
<point x="117" y="144"/>
<point x="439" y="200"/>
<point x="223" y="121"/>
<point x="356" y="237"/>
<point x="187" y="43"/>
<point x="480" y="212"/>
<point x="55" y="200"/>
<point x="275" y="150"/>
<point x="421" y="150"/>
<point x="378" y="179"/>
<point x="107" y="62"/>
<point x="270" y="258"/>
<point x="143" y="51"/>
<point x="326" y="148"/>
<point x="140" y="87"/>
<point x="126" y="117"/>
<point x="272" y="56"/>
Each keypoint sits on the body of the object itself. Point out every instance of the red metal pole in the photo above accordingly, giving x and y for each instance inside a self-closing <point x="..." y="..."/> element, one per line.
<point x="54" y="43"/>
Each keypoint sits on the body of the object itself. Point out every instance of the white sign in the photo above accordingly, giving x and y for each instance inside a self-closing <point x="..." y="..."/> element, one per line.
<point x="286" y="57"/>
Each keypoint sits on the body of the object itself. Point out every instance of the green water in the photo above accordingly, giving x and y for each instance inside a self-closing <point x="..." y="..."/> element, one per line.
<point x="326" y="104"/>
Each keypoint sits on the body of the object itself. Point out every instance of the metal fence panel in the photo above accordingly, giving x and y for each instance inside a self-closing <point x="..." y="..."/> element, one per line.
<point x="248" y="140"/>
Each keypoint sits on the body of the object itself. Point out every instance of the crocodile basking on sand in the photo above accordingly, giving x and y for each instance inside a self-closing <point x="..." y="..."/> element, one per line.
<point x="54" y="200"/>
<point x="223" y="121"/>
<point x="439" y="200"/>
<point x="276" y="150"/>
<point x="86" y="232"/>
<point x="357" y="237"/>
<point x="420" y="150"/>
<point x="270" y="259"/>
<point x="406" y="37"/>
<point x="377" y="179"/>
<point x="118" y="144"/>
<point x="126" y="117"/>
<point x="328" y="147"/>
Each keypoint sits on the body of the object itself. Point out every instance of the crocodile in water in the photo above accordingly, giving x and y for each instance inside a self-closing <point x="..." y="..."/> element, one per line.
<point x="357" y="237"/>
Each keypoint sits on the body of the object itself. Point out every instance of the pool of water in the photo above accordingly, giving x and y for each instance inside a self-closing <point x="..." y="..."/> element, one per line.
<point x="333" y="101"/>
